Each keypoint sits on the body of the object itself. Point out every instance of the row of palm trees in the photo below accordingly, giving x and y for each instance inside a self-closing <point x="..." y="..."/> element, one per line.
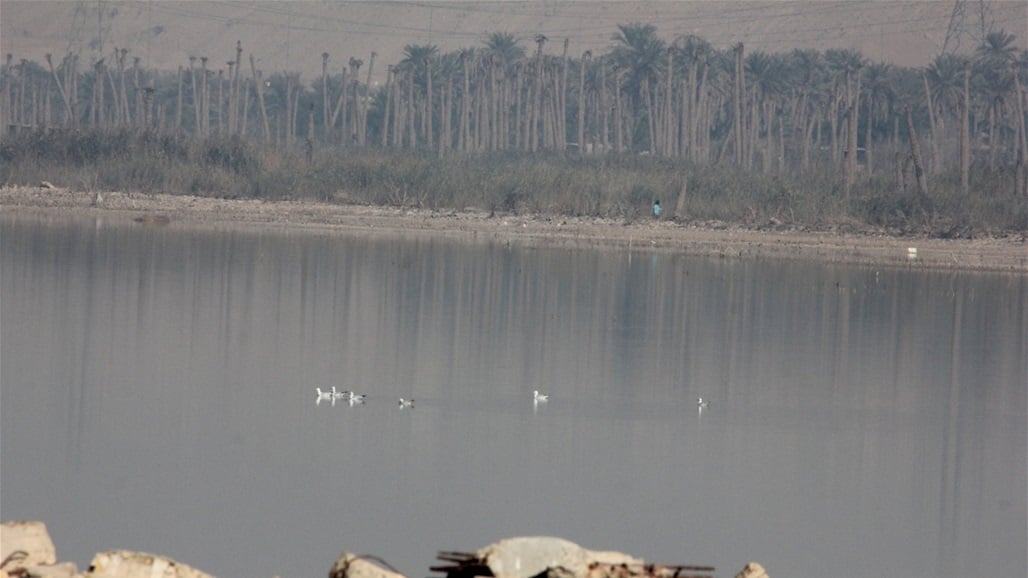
<point x="684" y="98"/>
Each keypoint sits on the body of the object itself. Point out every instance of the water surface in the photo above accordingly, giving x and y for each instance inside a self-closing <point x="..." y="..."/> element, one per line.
<point x="158" y="395"/>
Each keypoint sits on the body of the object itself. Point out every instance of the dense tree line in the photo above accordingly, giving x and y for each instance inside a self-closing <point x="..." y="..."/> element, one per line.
<point x="765" y="113"/>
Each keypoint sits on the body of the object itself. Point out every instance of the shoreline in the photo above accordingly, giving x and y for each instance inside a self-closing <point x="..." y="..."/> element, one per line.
<point x="991" y="254"/>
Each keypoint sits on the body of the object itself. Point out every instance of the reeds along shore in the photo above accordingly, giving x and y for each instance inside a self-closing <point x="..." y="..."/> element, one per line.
<point x="734" y="135"/>
<point x="612" y="186"/>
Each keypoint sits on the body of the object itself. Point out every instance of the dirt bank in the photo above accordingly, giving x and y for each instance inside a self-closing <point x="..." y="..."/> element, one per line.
<point x="1007" y="254"/>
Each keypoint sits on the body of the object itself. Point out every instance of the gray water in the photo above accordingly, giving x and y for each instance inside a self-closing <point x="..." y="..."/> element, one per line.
<point x="158" y="394"/>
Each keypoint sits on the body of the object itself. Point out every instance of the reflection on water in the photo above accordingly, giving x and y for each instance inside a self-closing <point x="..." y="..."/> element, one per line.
<point x="159" y="394"/>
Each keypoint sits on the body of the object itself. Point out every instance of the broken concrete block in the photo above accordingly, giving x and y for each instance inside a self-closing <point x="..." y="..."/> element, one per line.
<point x="28" y="537"/>
<point x="530" y="556"/>
<point x="59" y="570"/>
<point x="752" y="570"/>
<point x="353" y="566"/>
<point x="126" y="564"/>
<point x="547" y="557"/>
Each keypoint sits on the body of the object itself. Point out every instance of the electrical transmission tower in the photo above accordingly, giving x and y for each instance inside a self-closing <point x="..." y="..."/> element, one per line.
<point x="975" y="25"/>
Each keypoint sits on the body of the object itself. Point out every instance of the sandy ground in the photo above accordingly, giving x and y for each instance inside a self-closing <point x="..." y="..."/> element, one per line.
<point x="1007" y="254"/>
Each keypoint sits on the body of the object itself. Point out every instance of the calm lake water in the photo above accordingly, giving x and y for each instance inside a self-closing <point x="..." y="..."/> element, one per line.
<point x="158" y="394"/>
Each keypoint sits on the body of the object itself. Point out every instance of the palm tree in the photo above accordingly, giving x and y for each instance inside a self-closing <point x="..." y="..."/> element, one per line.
<point x="465" y="105"/>
<point x="810" y="76"/>
<point x="944" y="82"/>
<point x="502" y="51"/>
<point x="694" y="55"/>
<point x="994" y="80"/>
<point x="843" y="67"/>
<point x="505" y="46"/>
<point x="768" y="77"/>
<point x="584" y="63"/>
<point x="537" y="99"/>
<point x="355" y="66"/>
<point x="1021" y="172"/>
<point x="738" y="100"/>
<point x="640" y="55"/>
<point x="416" y="59"/>
<point x="878" y="91"/>
<point x="386" y="107"/>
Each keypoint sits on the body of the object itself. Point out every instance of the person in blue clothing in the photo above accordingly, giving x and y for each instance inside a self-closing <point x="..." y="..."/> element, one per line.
<point x="656" y="209"/>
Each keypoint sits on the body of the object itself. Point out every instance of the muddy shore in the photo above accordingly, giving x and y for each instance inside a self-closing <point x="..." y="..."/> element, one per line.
<point x="715" y="239"/>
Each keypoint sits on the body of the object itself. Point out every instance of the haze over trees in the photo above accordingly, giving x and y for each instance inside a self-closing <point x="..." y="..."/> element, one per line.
<point x="833" y="117"/>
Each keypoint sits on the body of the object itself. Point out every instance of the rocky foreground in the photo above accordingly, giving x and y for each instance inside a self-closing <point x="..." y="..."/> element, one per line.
<point x="841" y="244"/>
<point x="28" y="552"/>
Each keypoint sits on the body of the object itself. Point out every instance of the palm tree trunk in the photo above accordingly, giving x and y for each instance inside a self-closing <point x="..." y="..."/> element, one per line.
<point x="245" y="98"/>
<point x="519" y="108"/>
<point x="465" y="105"/>
<point x="366" y="99"/>
<point x="339" y="111"/>
<point x="446" y="130"/>
<point x="221" y="102"/>
<point x="178" y="103"/>
<point x="121" y="108"/>
<point x="412" y="136"/>
<point x="205" y="99"/>
<point x="355" y="120"/>
<point x="851" y="135"/>
<point x="72" y="80"/>
<point x="534" y="133"/>
<point x="915" y="154"/>
<point x="738" y="100"/>
<point x="429" y="109"/>
<point x="562" y="105"/>
<point x="101" y="77"/>
<point x="60" y="89"/>
<point x="868" y="122"/>
<point x="399" y="121"/>
<point x="618" y="140"/>
<point x="1021" y="183"/>
<point x="965" y="133"/>
<point x="604" y="107"/>
<point x="651" y="121"/>
<point x="813" y="120"/>
<point x="138" y="88"/>
<point x="581" y="103"/>
<point x="117" y="118"/>
<point x="384" y="140"/>
<point x="698" y="133"/>
<point x="237" y="121"/>
<point x="259" y="85"/>
<point x="932" y="126"/>
<point x="667" y="124"/>
<point x="324" y="92"/>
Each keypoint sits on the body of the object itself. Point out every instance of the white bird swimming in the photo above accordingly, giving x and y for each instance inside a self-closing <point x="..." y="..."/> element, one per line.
<point x="356" y="397"/>
<point x="702" y="403"/>
<point x="405" y="403"/>
<point x="324" y="395"/>
<point x="536" y="396"/>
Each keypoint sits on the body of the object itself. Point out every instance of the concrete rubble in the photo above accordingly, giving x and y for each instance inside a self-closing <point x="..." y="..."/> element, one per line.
<point x="125" y="564"/>
<point x="548" y="557"/>
<point x="752" y="570"/>
<point x="354" y="566"/>
<point x="26" y="551"/>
